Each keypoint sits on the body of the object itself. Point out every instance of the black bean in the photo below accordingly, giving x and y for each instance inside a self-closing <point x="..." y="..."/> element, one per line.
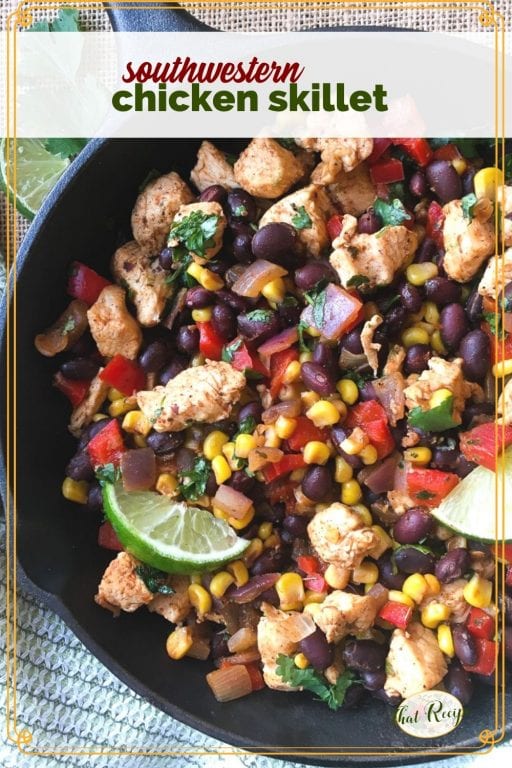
<point x="242" y="482"/>
<point x="452" y="565"/>
<point x="426" y="251"/>
<point x="463" y="467"/>
<point x="154" y="357"/>
<point x="445" y="458"/>
<point x="289" y="313"/>
<point x="476" y="411"/>
<point x="410" y="297"/>
<point x="177" y="365"/>
<point x="353" y="697"/>
<point x="458" y="682"/>
<point x="352" y="341"/>
<point x="79" y="368"/>
<point x="273" y="241"/>
<point x="325" y="356"/>
<point x="219" y="266"/>
<point x="219" y="644"/>
<point x="185" y="458"/>
<point x="317" y="650"/>
<point x="318" y="378"/>
<point x="317" y="483"/>
<point x="238" y="303"/>
<point x="199" y="298"/>
<point x="211" y="485"/>
<point x="442" y="291"/>
<point x="475" y="307"/>
<point x="296" y="524"/>
<point x="413" y="525"/>
<point x="95" y="498"/>
<point x="475" y="350"/>
<point x="223" y="321"/>
<point x="242" y="206"/>
<point x="251" y="410"/>
<point x="388" y="572"/>
<point x="508" y="643"/>
<point x="213" y="194"/>
<point x="165" y="443"/>
<point x="444" y="180"/>
<point x="272" y="513"/>
<point x="388" y="698"/>
<point x="338" y="435"/>
<point x="84" y="346"/>
<point x="367" y="391"/>
<point x="418" y="184"/>
<point x="365" y="655"/>
<point x="187" y="339"/>
<point x="416" y="359"/>
<point x="80" y="467"/>
<point x="412" y="560"/>
<point x="258" y="326"/>
<point x="270" y="596"/>
<point x="372" y="681"/>
<point x="271" y="561"/>
<point x="90" y="431"/>
<point x="393" y="322"/>
<point x="312" y="273"/>
<point x="242" y="250"/>
<point x="464" y="645"/>
<point x="166" y="258"/>
<point x="467" y="179"/>
<point x="454" y="325"/>
<point x="369" y="223"/>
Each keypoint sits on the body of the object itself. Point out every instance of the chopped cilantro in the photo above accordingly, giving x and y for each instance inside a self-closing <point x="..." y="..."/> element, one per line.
<point x="229" y="350"/>
<point x="195" y="233"/>
<point x="246" y="426"/>
<point x="260" y="315"/>
<point x="108" y="473"/>
<point x="68" y="326"/>
<point x="193" y="481"/>
<point x="302" y="219"/>
<point x="301" y="328"/>
<point x="312" y="294"/>
<point x="494" y="321"/>
<point x="287" y="143"/>
<point x="436" y="419"/>
<point x="154" y="579"/>
<point x="310" y="680"/>
<point x="468" y="205"/>
<point x="240" y="211"/>
<point x="357" y="280"/>
<point x="392" y="214"/>
<point x="318" y="309"/>
<point x="65" y="147"/>
<point x="358" y="377"/>
<point x="424" y="495"/>
<point x="231" y="159"/>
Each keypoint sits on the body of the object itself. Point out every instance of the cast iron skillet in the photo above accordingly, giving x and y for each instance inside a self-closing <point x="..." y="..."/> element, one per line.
<point x="85" y="217"/>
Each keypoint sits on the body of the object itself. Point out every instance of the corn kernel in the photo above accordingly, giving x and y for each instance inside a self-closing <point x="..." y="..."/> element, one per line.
<point x="460" y="165"/>
<point x="421" y="456"/>
<point x="343" y="472"/>
<point x="351" y="492"/>
<point x="368" y="455"/>
<point x="400" y="597"/>
<point x="313" y="597"/>
<point x="433" y="584"/>
<point x="167" y="484"/>
<point x="203" y="315"/>
<point x="305" y="357"/>
<point x="365" y="573"/>
<point x="228" y="451"/>
<point x="340" y="407"/>
<point x="431" y="313"/>
<point x="205" y="277"/>
<point x="297" y="475"/>
<point x="239" y="523"/>
<point x="415" y="586"/>
<point x="486" y="181"/>
<point x="384" y="542"/>
<point x="434" y="613"/>
<point x="244" y="444"/>
<point x="199" y="597"/>
<point x="265" y="530"/>
<point x="253" y="551"/>
<point x="123" y="405"/>
<point x="290" y="589"/>
<point x="239" y="571"/>
<point x="309" y="398"/>
<point x="363" y="512"/>
<point x="220" y="582"/>
<point x="348" y="391"/>
<point x="285" y="427"/>
<point x="99" y="417"/>
<point x="355" y="442"/>
<point x="337" y="577"/>
<point x="195" y="270"/>
<point x="323" y="414"/>
<point x="197" y="360"/>
<point x="445" y="640"/>
<point x="300" y="661"/>
<point x="418" y="274"/>
<point x="292" y="372"/>
<point x="316" y="452"/>
<point x="272" y="439"/>
<point x="274" y="290"/>
<point x="75" y="490"/>
<point x="221" y="469"/>
<point x="179" y="643"/>
<point x="272" y="542"/>
<point x="219" y="513"/>
<point x="312" y="331"/>
<point x="312" y="608"/>
<point x="439" y="397"/>
<point x="114" y="394"/>
<point x="414" y="335"/>
<point x="478" y="592"/>
<point x="213" y="444"/>
<point x="502" y="368"/>
<point x="137" y="422"/>
<point x="437" y="343"/>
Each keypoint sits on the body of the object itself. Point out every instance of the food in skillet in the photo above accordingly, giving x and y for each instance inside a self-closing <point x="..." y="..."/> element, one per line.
<point x="284" y="399"/>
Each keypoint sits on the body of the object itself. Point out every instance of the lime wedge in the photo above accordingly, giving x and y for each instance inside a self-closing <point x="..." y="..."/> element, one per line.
<point x="170" y="535"/>
<point x="471" y="508"/>
<point x="37" y="172"/>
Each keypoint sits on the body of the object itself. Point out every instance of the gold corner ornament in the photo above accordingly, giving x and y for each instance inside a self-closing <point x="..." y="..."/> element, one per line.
<point x="487" y="737"/>
<point x="23" y="738"/>
<point x="24" y="16"/>
<point x="488" y="16"/>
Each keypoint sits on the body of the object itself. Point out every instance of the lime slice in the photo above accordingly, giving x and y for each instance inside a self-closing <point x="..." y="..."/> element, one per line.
<point x="37" y="172"/>
<point x="471" y="509"/>
<point x="170" y="535"/>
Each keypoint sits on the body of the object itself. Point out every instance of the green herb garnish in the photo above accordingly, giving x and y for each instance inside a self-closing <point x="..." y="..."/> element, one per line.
<point x="228" y="351"/>
<point x="246" y="427"/>
<point x="195" y="233"/>
<point x="392" y="214"/>
<point x="287" y="143"/>
<point x="468" y="204"/>
<point x="319" y="309"/>
<point x="301" y="329"/>
<point x="260" y="315"/>
<point x="68" y="326"/>
<point x="436" y="419"/>
<point x="494" y="321"/>
<point x="310" y="680"/>
<point x="65" y="147"/>
<point x="425" y="495"/>
<point x="357" y="280"/>
<point x="302" y="219"/>
<point x="154" y="579"/>
<point x="193" y="481"/>
<point x="108" y="473"/>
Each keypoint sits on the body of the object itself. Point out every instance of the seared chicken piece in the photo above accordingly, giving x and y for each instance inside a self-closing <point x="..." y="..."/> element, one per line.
<point x="452" y="595"/>
<point x="353" y="192"/>
<point x="83" y="412"/>
<point x="344" y="613"/>
<point x="504" y="199"/>
<point x="274" y="638"/>
<point x="212" y="168"/>
<point x="370" y="348"/>
<point x="213" y="221"/>
<point x="415" y="662"/>
<point x="498" y="273"/>
<point x="317" y="207"/>
<point x="175" y="607"/>
<point x="504" y="406"/>
<point x="145" y="281"/>
<point x="266" y="169"/>
<point x="467" y="242"/>
<point x="121" y="589"/>
<point x="337" y="155"/>
<point x="113" y="329"/>
<point x="155" y="208"/>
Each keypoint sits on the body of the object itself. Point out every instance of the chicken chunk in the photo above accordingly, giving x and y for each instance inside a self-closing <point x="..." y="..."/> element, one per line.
<point x="175" y="607"/>
<point x="344" y="613"/>
<point x="113" y="329"/>
<point x="451" y="595"/>
<point x="370" y="348"/>
<point x="206" y="221"/>
<point x="83" y="412"/>
<point x="353" y="192"/>
<point x="467" y="242"/>
<point x="415" y="662"/>
<point x="275" y="637"/>
<point x="395" y="361"/>
<point x="375" y="257"/>
<point x="144" y="280"/>
<point x="337" y="155"/>
<point x="212" y="168"/>
<point x="155" y="208"/>
<point x="266" y="169"/>
<point x="442" y="374"/>
<point x="313" y="236"/>
<point x="121" y="589"/>
<point x="206" y="393"/>
<point x="504" y="406"/>
<point x="498" y="273"/>
<point x="340" y="536"/>
<point x="504" y="199"/>
<point x="400" y="501"/>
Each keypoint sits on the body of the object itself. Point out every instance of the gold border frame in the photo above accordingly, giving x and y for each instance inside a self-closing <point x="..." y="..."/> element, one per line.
<point x="488" y="17"/>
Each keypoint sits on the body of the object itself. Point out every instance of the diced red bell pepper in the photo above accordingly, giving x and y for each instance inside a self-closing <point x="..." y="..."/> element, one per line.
<point x="387" y="171"/>
<point x="248" y="363"/>
<point x="486" y="659"/>
<point x="308" y="563"/>
<point x="366" y="410"/>
<point x="435" y="222"/>
<point x="380" y="437"/>
<point x="283" y="492"/>
<point x="288" y="463"/>
<point x="75" y="390"/>
<point x="315" y="582"/>
<point x="448" y="152"/>
<point x="502" y="350"/>
<point x="210" y="343"/>
<point x="123" y="374"/>
<point x="379" y="147"/>
<point x="480" y="624"/>
<point x="334" y="226"/>
<point x="428" y="487"/>
<point x="418" y="149"/>
<point x="397" y="614"/>
<point x="279" y="362"/>
<point x="106" y="446"/>
<point x="85" y="284"/>
<point x="485" y="442"/>
<point x="254" y="671"/>
<point x="371" y="416"/>
<point x="107" y="538"/>
<point x="304" y="432"/>
<point x="504" y="554"/>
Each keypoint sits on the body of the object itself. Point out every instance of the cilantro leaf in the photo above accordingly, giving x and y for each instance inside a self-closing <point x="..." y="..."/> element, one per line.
<point x="312" y="294"/>
<point x="246" y="426"/>
<point x="65" y="147"/>
<point x="310" y="680"/>
<point x="68" y="326"/>
<point x="425" y="495"/>
<point x="392" y="214"/>
<point x="494" y="321"/>
<point x="358" y="377"/>
<point x="302" y="219"/>
<point x="468" y="205"/>
<point x="287" y="143"/>
<point x="301" y="328"/>
<point x="154" y="579"/>
<point x="436" y="419"/>
<point x="260" y="315"/>
<point x="108" y="473"/>
<point x="228" y="351"/>
<point x="357" y="280"/>
<point x="318" y="309"/>
<point x="193" y="481"/>
<point x="195" y="233"/>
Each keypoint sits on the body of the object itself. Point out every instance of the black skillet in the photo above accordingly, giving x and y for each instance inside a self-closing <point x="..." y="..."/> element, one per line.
<point x="85" y="217"/>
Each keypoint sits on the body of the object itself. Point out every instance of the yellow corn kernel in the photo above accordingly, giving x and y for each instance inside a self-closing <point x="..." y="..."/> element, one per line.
<point x="179" y="643"/>
<point x="365" y="573"/>
<point x="123" y="405"/>
<point x="275" y="290"/>
<point x="431" y="313"/>
<point x="414" y="335"/>
<point x="75" y="490"/>
<point x="167" y="484"/>
<point x="368" y="455"/>
<point x="434" y="613"/>
<point x="272" y="439"/>
<point x="203" y="315"/>
<point x="114" y="394"/>
<point x="305" y="357"/>
<point x="297" y="475"/>
<point x="433" y="584"/>
<point x="243" y="522"/>
<point x="400" y="597"/>
<point x="265" y="530"/>
<point x="200" y="598"/>
<point x="363" y="512"/>
<point x="309" y="398"/>
<point x="351" y="492"/>
<point x="486" y="181"/>
<point x="313" y="597"/>
<point x="436" y="343"/>
<point x="99" y="417"/>
<point x="312" y="331"/>
<point x="323" y="414"/>
<point x="460" y="165"/>
<point x="221" y="469"/>
<point x="337" y="577"/>
<point x="228" y="451"/>
<point x="355" y="442"/>
<point x="502" y="368"/>
<point x="292" y="372"/>
<point x="340" y="407"/>
<point x="439" y="397"/>
<point x="421" y="456"/>
<point x="478" y="592"/>
<point x="285" y="427"/>
<point x="312" y="608"/>
<point x="384" y="542"/>
<point x="197" y="360"/>
<point x="445" y="640"/>
<point x="418" y="274"/>
<point x="253" y="551"/>
<point x="140" y="441"/>
<point x="415" y="586"/>
<point x="205" y="277"/>
<point x="220" y="582"/>
<point x="272" y="542"/>
<point x="290" y="589"/>
<point x="137" y="422"/>
<point x="239" y="571"/>
<point x="244" y="444"/>
<point x="213" y="444"/>
<point x="219" y="513"/>
<point x="343" y="472"/>
<point x="348" y="391"/>
<point x="316" y="452"/>
<point x="301" y="661"/>
<point x="195" y="270"/>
